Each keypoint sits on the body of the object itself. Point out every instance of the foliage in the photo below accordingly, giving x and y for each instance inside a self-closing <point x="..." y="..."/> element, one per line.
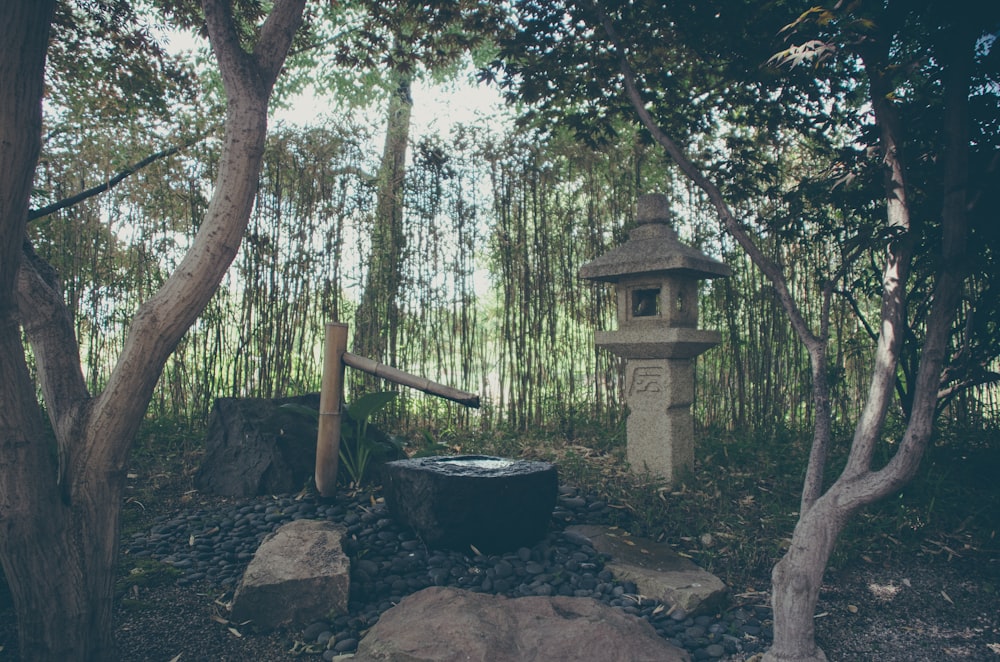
<point x="363" y="447"/>
<point x="499" y="227"/>
<point x="733" y="520"/>
<point x="800" y="170"/>
<point x="353" y="52"/>
<point x="516" y="212"/>
<point x="106" y="63"/>
<point x="874" y="45"/>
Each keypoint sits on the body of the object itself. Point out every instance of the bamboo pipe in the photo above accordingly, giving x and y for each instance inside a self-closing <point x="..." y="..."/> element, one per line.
<point x="331" y="397"/>
<point x="406" y="379"/>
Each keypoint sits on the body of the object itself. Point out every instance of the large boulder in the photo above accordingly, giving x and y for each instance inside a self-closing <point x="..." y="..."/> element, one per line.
<point x="658" y="571"/>
<point x="256" y="446"/>
<point x="441" y="624"/>
<point x="493" y="504"/>
<point x="298" y="575"/>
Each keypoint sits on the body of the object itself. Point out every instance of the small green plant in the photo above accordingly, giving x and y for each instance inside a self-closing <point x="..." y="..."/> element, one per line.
<point x="358" y="445"/>
<point x="429" y="446"/>
<point x="141" y="573"/>
<point x="362" y="445"/>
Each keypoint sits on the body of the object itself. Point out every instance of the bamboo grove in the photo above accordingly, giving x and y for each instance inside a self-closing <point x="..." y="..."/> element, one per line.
<point x="496" y="228"/>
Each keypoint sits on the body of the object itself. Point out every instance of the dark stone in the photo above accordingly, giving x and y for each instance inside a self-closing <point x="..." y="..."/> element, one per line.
<point x="254" y="446"/>
<point x="493" y="504"/>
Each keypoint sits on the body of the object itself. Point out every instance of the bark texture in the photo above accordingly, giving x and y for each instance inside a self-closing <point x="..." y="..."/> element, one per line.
<point x="60" y="498"/>
<point x="797" y="577"/>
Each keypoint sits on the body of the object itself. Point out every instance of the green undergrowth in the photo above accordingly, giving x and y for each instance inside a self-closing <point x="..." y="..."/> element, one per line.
<point x="735" y="513"/>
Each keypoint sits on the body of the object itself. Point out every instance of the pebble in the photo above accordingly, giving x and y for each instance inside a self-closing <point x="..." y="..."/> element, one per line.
<point x="388" y="562"/>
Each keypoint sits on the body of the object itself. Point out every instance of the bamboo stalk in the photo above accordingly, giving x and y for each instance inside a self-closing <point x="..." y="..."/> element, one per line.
<point x="406" y="379"/>
<point x="330" y="398"/>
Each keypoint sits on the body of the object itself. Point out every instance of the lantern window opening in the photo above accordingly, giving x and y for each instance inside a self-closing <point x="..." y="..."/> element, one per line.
<point x="646" y="302"/>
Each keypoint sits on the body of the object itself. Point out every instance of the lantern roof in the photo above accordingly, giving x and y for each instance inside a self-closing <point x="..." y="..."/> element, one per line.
<point x="652" y="248"/>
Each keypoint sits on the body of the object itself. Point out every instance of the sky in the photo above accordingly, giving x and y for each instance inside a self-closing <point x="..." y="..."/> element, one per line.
<point x="436" y="107"/>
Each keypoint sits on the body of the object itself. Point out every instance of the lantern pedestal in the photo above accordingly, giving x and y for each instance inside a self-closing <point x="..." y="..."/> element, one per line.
<point x="660" y="426"/>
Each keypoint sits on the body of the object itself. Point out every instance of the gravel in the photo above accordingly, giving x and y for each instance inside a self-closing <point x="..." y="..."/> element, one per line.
<point x="388" y="562"/>
<point x="918" y="604"/>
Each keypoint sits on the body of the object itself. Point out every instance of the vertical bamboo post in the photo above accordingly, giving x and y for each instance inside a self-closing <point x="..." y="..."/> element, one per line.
<point x="331" y="396"/>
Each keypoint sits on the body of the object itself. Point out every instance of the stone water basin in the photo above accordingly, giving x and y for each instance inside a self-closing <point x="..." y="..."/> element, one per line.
<point x="491" y="503"/>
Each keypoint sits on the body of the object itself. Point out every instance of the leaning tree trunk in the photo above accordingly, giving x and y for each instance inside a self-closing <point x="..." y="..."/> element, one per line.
<point x="60" y="502"/>
<point x="796" y="581"/>
<point x="797" y="577"/>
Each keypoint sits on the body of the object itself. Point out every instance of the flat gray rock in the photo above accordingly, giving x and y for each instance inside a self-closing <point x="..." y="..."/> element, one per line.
<point x="658" y="571"/>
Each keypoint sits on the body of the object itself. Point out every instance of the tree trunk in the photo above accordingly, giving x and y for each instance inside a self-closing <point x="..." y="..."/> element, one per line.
<point x="60" y="502"/>
<point x="796" y="581"/>
<point x="61" y="568"/>
<point x="377" y="317"/>
<point x="797" y="577"/>
<point x="24" y="34"/>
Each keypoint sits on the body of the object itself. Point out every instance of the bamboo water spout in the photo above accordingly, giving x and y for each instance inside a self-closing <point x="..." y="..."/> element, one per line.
<point x="335" y="359"/>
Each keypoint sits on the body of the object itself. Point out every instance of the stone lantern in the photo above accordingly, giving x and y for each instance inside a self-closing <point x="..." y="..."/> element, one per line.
<point x="656" y="281"/>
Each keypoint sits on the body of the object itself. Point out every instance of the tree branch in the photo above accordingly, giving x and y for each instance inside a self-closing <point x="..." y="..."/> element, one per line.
<point x="816" y="345"/>
<point x="49" y="327"/>
<point x="162" y="320"/>
<point x="951" y="274"/>
<point x="35" y="214"/>
<point x="895" y="272"/>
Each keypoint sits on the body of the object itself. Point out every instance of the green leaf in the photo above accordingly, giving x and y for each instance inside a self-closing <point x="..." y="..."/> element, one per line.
<point x="368" y="404"/>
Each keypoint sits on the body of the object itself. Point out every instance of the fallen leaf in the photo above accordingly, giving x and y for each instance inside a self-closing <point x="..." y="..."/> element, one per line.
<point x="173" y="659"/>
<point x="219" y="619"/>
<point x="947" y="598"/>
<point x="852" y="608"/>
<point x="235" y="632"/>
<point x="475" y="550"/>
<point x="191" y="541"/>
